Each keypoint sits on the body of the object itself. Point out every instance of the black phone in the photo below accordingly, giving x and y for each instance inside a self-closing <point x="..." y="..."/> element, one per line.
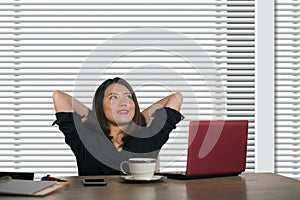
<point x="94" y="182"/>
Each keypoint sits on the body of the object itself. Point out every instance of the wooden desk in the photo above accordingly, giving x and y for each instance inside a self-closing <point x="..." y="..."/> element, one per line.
<point x="247" y="186"/>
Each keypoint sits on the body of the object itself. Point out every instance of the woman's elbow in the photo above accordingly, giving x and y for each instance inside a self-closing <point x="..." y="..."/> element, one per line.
<point x="175" y="101"/>
<point x="179" y="97"/>
<point x="61" y="101"/>
<point x="56" y="95"/>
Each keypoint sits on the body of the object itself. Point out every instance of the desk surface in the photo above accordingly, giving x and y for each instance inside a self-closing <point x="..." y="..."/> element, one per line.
<point x="246" y="186"/>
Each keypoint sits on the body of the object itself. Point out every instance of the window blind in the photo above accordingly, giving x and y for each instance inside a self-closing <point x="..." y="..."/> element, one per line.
<point x="287" y="36"/>
<point x="53" y="45"/>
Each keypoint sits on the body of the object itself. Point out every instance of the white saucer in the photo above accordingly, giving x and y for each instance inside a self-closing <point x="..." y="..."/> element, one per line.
<point x="153" y="179"/>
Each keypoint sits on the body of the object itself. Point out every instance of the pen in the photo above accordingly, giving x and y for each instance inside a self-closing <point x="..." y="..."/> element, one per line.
<point x="49" y="178"/>
<point x="4" y="179"/>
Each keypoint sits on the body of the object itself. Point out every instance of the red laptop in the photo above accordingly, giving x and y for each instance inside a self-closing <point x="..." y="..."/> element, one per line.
<point x="216" y="148"/>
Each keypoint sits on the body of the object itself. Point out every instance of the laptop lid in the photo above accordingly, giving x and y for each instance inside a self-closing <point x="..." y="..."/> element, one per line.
<point x="217" y="147"/>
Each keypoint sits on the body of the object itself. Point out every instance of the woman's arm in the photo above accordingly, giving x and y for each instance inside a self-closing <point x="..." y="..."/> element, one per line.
<point x="173" y="101"/>
<point x="66" y="103"/>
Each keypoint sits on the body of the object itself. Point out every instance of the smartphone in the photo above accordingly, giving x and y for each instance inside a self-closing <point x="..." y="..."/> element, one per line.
<point x="94" y="182"/>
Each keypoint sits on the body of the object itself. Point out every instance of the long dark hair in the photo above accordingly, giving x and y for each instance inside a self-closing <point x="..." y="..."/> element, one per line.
<point x="138" y="119"/>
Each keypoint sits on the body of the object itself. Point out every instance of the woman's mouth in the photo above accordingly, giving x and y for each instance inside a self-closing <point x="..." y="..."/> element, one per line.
<point x="123" y="111"/>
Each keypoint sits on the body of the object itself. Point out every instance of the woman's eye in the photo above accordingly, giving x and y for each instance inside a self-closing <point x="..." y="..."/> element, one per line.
<point x="129" y="97"/>
<point x="113" y="97"/>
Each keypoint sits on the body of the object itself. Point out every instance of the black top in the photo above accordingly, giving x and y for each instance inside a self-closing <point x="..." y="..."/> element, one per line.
<point x="89" y="151"/>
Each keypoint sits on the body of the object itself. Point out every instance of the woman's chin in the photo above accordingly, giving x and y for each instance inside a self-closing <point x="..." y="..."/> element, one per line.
<point x="123" y="122"/>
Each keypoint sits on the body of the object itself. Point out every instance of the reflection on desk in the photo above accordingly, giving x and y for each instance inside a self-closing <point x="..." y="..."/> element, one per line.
<point x="246" y="186"/>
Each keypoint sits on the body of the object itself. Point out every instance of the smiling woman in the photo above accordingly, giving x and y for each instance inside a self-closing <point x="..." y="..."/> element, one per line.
<point x="116" y="110"/>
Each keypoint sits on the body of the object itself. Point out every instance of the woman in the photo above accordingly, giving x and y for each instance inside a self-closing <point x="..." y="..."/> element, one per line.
<point x="116" y="110"/>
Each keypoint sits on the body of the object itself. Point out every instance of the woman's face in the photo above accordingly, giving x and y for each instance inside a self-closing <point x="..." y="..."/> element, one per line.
<point x="118" y="105"/>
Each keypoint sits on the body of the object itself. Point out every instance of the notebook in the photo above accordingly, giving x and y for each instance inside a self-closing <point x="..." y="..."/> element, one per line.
<point x="10" y="186"/>
<point x="215" y="148"/>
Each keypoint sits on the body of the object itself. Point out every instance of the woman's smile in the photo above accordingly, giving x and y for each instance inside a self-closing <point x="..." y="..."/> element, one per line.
<point x="123" y="112"/>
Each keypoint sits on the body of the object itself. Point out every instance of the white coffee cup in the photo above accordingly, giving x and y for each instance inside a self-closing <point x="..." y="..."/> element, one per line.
<point x="140" y="168"/>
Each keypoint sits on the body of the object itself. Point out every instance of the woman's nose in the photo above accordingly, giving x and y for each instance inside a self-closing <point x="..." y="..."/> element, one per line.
<point x="123" y="101"/>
